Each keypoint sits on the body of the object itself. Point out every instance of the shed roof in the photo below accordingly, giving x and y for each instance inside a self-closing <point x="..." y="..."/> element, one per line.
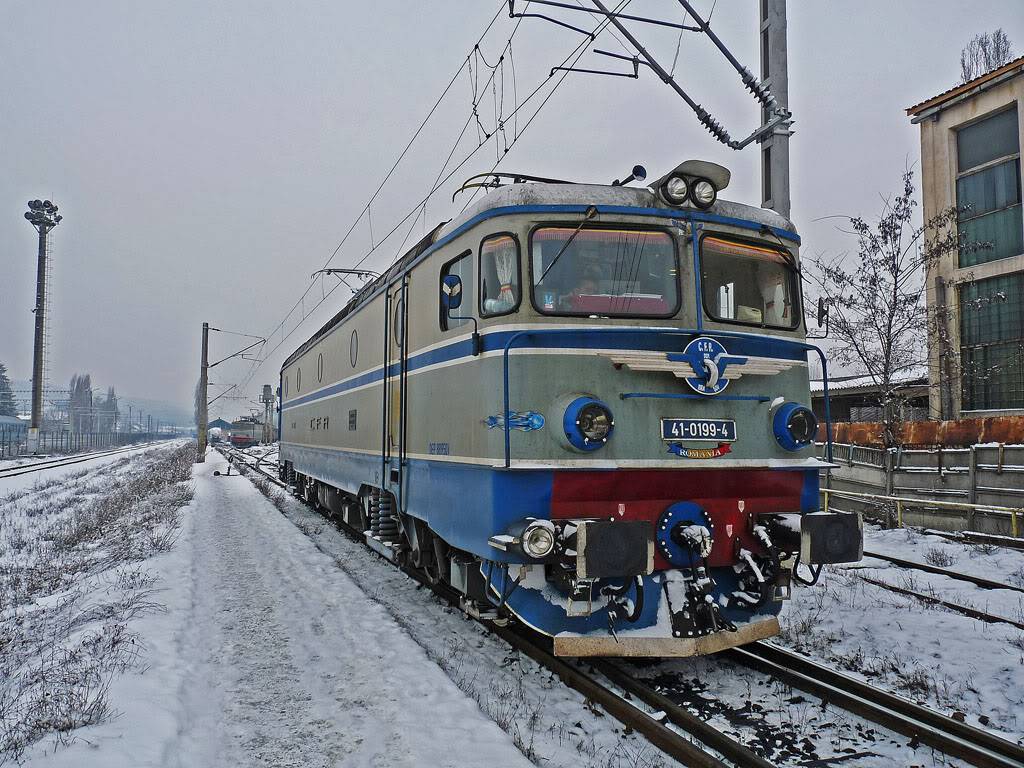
<point x="864" y="383"/>
<point x="980" y="83"/>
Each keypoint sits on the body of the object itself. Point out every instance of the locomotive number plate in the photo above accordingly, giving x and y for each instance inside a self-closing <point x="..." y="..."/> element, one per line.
<point x="721" y="430"/>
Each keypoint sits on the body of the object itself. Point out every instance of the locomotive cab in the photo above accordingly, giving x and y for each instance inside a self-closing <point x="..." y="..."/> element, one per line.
<point x="586" y="408"/>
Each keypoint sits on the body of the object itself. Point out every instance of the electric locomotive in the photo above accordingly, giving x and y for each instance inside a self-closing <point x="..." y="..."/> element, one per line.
<point x="244" y="433"/>
<point x="583" y="407"/>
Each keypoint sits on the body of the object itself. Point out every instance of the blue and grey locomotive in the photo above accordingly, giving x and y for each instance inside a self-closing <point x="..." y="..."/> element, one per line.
<point x="583" y="407"/>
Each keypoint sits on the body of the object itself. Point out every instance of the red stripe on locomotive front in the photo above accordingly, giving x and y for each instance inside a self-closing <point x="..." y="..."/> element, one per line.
<point x="644" y="494"/>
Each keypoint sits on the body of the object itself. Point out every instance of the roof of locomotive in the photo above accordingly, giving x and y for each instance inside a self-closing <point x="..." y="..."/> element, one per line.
<point x="543" y="194"/>
<point x="604" y="195"/>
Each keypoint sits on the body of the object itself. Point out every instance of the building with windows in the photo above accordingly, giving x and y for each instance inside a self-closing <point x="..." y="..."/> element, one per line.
<point x="971" y="137"/>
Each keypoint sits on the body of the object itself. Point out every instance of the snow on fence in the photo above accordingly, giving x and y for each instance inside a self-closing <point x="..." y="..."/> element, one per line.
<point x="989" y="475"/>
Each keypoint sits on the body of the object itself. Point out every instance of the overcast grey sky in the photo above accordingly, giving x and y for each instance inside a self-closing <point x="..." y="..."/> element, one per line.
<point x="209" y="156"/>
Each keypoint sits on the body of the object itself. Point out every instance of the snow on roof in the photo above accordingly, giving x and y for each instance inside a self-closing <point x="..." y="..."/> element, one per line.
<point x="602" y="195"/>
<point x="865" y="383"/>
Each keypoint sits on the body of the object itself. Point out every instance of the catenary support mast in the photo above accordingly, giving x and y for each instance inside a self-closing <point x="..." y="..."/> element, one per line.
<point x="202" y="409"/>
<point x="775" y="75"/>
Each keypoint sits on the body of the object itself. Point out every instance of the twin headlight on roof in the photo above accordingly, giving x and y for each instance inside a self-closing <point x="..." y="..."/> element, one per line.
<point x="680" y="190"/>
<point x="693" y="183"/>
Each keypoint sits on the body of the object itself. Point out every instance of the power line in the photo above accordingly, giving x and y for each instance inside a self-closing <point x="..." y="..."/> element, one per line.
<point x="576" y="52"/>
<point x="366" y="208"/>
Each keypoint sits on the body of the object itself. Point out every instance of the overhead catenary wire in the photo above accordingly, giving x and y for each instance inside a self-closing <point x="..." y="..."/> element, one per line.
<point x="576" y="52"/>
<point x="365" y="210"/>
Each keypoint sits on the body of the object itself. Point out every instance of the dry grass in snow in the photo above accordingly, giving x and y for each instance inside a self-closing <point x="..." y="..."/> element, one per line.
<point x="72" y="576"/>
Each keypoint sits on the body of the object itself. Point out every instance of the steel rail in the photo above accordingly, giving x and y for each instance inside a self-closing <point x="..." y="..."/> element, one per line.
<point x="657" y="733"/>
<point x="973" y="613"/>
<point x="712" y="737"/>
<point x="949" y="736"/>
<point x="976" y="580"/>
<point x="78" y="458"/>
<point x="977" y="537"/>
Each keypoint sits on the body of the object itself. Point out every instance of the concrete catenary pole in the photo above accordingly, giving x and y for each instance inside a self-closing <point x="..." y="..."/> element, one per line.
<point x="775" y="75"/>
<point x="202" y="410"/>
<point x="267" y="398"/>
<point x="42" y="215"/>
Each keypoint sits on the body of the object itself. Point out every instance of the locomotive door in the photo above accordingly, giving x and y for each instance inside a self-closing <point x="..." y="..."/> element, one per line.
<point x="395" y="383"/>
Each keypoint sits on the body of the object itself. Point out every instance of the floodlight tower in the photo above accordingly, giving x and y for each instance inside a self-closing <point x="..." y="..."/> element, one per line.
<point x="41" y="214"/>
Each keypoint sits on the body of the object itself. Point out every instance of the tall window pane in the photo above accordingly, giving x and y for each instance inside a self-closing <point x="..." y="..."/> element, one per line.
<point x="989" y="198"/>
<point x="994" y="137"/>
<point x="992" y="343"/>
<point x="994" y="236"/>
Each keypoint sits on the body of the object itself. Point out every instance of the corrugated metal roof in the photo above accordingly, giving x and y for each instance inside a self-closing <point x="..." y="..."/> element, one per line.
<point x="916" y="376"/>
<point x="956" y="90"/>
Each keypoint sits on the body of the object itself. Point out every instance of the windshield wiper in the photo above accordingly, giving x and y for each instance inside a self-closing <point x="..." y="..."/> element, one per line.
<point x="590" y="213"/>
<point x="790" y="259"/>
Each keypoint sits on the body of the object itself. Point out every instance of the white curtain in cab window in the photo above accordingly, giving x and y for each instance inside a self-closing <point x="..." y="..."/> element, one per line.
<point x="773" y="292"/>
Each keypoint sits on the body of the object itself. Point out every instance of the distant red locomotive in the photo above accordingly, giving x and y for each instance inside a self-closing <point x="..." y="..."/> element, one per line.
<point x="245" y="433"/>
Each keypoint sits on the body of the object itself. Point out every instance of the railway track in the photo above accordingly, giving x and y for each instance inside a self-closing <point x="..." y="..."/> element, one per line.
<point x="78" y="458"/>
<point x="920" y="724"/>
<point x="974" y="613"/>
<point x="976" y="580"/>
<point x="943" y="733"/>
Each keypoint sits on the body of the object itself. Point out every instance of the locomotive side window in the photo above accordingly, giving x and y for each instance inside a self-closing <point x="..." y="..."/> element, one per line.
<point x="743" y="283"/>
<point x="463" y="267"/>
<point x="604" y="272"/>
<point x="499" y="275"/>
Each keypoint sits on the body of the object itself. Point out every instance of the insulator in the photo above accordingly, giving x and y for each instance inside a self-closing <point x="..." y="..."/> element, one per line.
<point x="714" y="127"/>
<point x="761" y="91"/>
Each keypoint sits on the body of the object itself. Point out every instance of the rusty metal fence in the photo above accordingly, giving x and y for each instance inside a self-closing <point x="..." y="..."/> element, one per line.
<point x="14" y="442"/>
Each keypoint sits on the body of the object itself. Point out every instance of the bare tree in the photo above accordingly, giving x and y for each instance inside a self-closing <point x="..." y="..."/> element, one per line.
<point x="107" y="412"/>
<point x="80" y="405"/>
<point x="877" y="315"/>
<point x="984" y="53"/>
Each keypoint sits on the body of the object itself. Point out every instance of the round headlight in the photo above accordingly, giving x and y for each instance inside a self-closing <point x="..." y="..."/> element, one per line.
<point x="802" y="425"/>
<point x="588" y="423"/>
<point x="675" y="190"/>
<point x="795" y="426"/>
<point x="703" y="193"/>
<point x="595" y="422"/>
<point x="539" y="538"/>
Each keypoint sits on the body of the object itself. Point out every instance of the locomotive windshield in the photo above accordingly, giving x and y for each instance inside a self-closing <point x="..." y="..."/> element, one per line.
<point x="749" y="284"/>
<point x="605" y="272"/>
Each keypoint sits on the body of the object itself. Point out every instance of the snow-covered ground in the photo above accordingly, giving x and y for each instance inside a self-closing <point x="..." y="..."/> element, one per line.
<point x="285" y="643"/>
<point x="930" y="654"/>
<point x="281" y="641"/>
<point x="73" y="580"/>
<point x="28" y="480"/>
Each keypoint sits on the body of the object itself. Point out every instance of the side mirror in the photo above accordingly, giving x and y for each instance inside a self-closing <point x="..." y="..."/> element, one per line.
<point x="451" y="292"/>
<point x="822" y="311"/>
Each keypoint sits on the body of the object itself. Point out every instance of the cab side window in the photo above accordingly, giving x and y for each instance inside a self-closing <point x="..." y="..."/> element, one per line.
<point x="463" y="267"/>
<point x="499" y="275"/>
